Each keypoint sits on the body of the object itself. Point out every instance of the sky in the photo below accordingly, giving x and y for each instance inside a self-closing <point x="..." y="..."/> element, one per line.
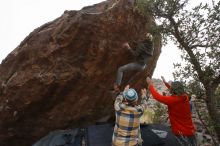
<point x="20" y="17"/>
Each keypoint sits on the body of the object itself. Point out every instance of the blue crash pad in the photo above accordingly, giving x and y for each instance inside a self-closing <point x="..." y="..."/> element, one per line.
<point x="61" y="138"/>
<point x="101" y="135"/>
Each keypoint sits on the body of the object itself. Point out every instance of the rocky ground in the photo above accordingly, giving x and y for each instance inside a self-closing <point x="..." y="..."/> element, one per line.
<point x="205" y="133"/>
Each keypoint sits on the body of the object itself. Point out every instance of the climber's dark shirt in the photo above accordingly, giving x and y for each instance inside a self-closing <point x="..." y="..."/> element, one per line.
<point x="142" y="50"/>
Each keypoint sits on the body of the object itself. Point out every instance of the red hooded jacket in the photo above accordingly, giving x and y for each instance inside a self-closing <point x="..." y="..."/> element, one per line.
<point x="179" y="112"/>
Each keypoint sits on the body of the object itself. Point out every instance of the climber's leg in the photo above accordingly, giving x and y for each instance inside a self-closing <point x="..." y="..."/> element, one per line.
<point x="127" y="67"/>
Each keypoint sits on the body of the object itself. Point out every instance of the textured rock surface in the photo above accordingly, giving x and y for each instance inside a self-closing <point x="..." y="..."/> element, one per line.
<point x="60" y="76"/>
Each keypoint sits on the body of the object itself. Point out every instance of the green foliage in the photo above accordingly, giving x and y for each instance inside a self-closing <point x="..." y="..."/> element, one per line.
<point x="196" y="32"/>
<point x="160" y="113"/>
<point x="217" y="93"/>
<point x="195" y="88"/>
<point x="142" y="6"/>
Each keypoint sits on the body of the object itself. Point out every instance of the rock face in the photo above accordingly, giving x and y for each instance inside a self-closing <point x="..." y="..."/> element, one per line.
<point x="60" y="76"/>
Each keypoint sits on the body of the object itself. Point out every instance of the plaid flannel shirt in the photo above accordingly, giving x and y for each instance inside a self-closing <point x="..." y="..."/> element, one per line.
<point x="127" y="124"/>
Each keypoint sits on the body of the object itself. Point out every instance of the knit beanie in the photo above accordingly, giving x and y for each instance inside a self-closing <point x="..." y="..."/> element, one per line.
<point x="130" y="94"/>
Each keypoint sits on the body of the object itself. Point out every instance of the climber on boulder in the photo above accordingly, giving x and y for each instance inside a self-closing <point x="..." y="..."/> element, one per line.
<point x="142" y="51"/>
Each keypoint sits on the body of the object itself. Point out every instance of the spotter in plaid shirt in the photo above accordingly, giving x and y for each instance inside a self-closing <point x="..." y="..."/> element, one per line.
<point x="126" y="131"/>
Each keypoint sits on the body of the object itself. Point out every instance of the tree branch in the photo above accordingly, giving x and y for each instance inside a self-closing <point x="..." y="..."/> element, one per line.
<point x="193" y="58"/>
<point x="199" y="45"/>
<point x="216" y="81"/>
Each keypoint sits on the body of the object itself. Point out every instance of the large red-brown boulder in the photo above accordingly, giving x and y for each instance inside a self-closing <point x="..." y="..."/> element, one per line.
<point x="61" y="74"/>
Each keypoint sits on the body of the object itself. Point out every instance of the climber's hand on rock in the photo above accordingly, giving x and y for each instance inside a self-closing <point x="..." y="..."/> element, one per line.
<point x="126" y="88"/>
<point x="143" y="93"/>
<point x="126" y="45"/>
<point x="162" y="77"/>
<point x="149" y="81"/>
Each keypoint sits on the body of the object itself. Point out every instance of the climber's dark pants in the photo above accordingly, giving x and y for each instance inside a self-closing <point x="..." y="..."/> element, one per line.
<point x="128" y="67"/>
<point x="186" y="140"/>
